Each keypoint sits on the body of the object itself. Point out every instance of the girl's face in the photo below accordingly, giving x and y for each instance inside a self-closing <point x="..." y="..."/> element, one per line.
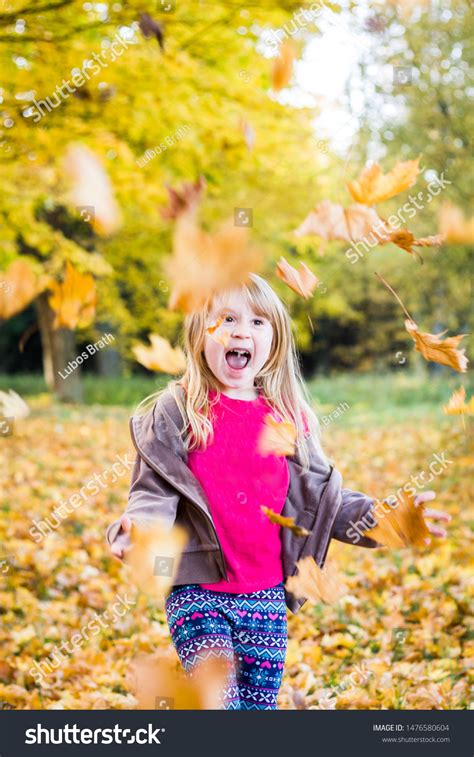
<point x="239" y="357"/>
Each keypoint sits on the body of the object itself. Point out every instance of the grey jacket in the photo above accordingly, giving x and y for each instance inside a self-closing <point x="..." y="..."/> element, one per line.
<point x="164" y="487"/>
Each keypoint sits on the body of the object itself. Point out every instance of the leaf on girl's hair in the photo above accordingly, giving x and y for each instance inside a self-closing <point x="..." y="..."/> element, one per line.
<point x="280" y="520"/>
<point x="204" y="264"/>
<point x="73" y="300"/>
<point x="151" y="28"/>
<point x="302" y="281"/>
<point x="92" y="190"/>
<point x="155" y="555"/>
<point x="438" y="350"/>
<point x="282" y="67"/>
<point x="454" y="226"/>
<point x="159" y="683"/>
<point x="457" y="404"/>
<point x="403" y="526"/>
<point x="19" y="285"/>
<point x="277" y="438"/>
<point x="315" y="584"/>
<point x="12" y="405"/>
<point x="373" y="186"/>
<point x="160" y="356"/>
<point x="185" y="199"/>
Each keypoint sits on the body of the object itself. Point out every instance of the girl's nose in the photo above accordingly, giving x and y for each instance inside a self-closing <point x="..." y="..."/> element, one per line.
<point x="241" y="331"/>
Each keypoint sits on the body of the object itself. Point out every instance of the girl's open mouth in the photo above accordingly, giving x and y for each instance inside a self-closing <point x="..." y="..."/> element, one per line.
<point x="237" y="359"/>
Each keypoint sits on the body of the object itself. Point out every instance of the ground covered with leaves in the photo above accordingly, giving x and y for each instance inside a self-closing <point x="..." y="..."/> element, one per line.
<point x="399" y="639"/>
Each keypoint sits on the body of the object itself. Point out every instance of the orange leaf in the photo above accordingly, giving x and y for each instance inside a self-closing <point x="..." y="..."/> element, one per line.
<point x="280" y="520"/>
<point x="457" y="404"/>
<point x="186" y="198"/>
<point x="160" y="356"/>
<point x="454" y="226"/>
<point x="155" y="556"/>
<point x="373" y="186"/>
<point x="282" y="67"/>
<point x="302" y="281"/>
<point x="277" y="438"/>
<point x="204" y="264"/>
<point x="438" y="350"/>
<point x="403" y="526"/>
<point x="73" y="300"/>
<point x="315" y="584"/>
<point x="19" y="285"/>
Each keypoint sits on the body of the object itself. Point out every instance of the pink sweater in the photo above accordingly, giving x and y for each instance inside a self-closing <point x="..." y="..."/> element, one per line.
<point x="237" y="480"/>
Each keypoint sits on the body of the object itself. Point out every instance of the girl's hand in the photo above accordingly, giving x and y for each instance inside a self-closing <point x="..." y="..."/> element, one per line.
<point x="434" y="514"/>
<point x="122" y="544"/>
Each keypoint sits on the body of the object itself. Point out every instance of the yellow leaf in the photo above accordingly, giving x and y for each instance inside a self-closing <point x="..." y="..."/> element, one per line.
<point x="404" y="525"/>
<point x="155" y="556"/>
<point x="457" y="404"/>
<point x="373" y="186"/>
<point x="19" y="285"/>
<point x="160" y="356"/>
<point x="277" y="438"/>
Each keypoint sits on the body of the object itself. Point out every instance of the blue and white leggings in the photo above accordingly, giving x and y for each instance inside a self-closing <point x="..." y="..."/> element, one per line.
<point x="248" y="630"/>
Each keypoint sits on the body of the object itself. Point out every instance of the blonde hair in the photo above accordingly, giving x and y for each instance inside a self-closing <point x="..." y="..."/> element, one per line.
<point x="279" y="382"/>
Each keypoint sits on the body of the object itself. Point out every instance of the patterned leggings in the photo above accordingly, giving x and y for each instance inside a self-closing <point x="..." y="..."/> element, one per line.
<point x="249" y="630"/>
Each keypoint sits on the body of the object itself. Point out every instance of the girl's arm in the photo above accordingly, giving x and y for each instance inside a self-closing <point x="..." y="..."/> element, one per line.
<point x="150" y="498"/>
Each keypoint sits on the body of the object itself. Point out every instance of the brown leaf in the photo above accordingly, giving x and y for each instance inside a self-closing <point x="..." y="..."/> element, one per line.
<point x="160" y="356"/>
<point x="184" y="199"/>
<point x="274" y="517"/>
<point x="315" y="584"/>
<point x="373" y="186"/>
<point x="438" y="350"/>
<point x="302" y="281"/>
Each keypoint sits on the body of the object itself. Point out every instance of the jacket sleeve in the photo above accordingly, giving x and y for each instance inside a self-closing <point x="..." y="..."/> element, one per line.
<point x="354" y="517"/>
<point x="150" y="498"/>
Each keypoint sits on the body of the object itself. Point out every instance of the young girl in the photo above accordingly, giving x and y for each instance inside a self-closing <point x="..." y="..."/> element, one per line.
<point x="200" y="465"/>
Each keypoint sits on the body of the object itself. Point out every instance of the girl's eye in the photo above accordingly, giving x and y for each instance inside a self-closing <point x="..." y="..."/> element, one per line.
<point x="228" y="318"/>
<point x="258" y="321"/>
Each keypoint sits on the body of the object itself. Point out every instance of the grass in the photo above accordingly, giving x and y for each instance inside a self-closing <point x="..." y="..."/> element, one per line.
<point x="383" y="399"/>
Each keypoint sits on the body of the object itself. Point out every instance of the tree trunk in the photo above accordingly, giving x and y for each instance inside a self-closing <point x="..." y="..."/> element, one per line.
<point x="108" y="361"/>
<point x="59" y="349"/>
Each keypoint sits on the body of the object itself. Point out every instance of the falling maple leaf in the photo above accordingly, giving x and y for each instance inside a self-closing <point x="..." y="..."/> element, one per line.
<point x="403" y="526"/>
<point x="204" y="264"/>
<point x="280" y="520"/>
<point x="160" y="356"/>
<point x="92" y="192"/>
<point x="159" y="684"/>
<point x="184" y="199"/>
<point x="155" y="555"/>
<point x="73" y="300"/>
<point x="454" y="226"/>
<point x="315" y="584"/>
<point x="438" y="350"/>
<point x="432" y="346"/>
<point x="19" y="285"/>
<point x="277" y="438"/>
<point x="457" y="404"/>
<point x="282" y="67"/>
<point x="302" y="281"/>
<point x="406" y="240"/>
<point x="372" y="186"/>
